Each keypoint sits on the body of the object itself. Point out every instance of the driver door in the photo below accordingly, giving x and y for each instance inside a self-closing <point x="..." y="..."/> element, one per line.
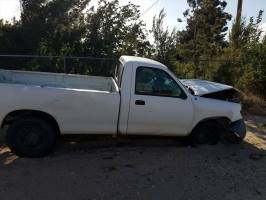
<point x="158" y="105"/>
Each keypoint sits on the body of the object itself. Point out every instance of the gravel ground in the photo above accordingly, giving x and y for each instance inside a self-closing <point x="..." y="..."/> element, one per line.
<point x="85" y="168"/>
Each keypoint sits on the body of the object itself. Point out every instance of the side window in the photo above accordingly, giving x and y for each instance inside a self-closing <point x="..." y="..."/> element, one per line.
<point x="156" y="82"/>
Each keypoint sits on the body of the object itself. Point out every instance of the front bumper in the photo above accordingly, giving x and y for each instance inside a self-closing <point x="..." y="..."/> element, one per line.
<point x="238" y="128"/>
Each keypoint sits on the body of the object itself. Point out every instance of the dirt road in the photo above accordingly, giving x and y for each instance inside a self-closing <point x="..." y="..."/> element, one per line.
<point x="83" y="169"/>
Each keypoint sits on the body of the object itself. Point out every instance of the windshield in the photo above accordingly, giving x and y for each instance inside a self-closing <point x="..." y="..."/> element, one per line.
<point x="190" y="90"/>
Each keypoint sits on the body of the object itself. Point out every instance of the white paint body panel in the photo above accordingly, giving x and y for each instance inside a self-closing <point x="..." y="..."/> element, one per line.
<point x="97" y="105"/>
<point x="205" y="108"/>
<point x="57" y="80"/>
<point x="75" y="110"/>
<point x="160" y="115"/>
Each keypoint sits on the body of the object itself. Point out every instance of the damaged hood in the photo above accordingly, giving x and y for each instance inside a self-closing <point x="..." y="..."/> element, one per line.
<point x="212" y="90"/>
<point x="201" y="87"/>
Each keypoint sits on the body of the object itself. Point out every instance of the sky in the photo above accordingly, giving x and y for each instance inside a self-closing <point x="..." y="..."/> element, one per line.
<point x="173" y="8"/>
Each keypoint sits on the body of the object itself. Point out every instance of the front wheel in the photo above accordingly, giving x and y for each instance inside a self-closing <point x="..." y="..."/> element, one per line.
<point x="205" y="133"/>
<point x="31" y="137"/>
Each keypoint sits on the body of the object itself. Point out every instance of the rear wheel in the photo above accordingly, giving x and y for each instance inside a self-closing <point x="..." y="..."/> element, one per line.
<point x="205" y="133"/>
<point x="31" y="137"/>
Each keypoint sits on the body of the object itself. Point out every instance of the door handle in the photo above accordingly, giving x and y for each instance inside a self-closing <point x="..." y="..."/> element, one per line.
<point x="140" y="102"/>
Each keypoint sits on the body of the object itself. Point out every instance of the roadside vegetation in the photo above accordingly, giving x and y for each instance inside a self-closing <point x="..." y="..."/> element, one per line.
<point x="203" y="50"/>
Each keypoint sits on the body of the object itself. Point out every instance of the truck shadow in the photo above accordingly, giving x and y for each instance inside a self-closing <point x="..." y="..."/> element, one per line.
<point x="100" y="142"/>
<point x="78" y="145"/>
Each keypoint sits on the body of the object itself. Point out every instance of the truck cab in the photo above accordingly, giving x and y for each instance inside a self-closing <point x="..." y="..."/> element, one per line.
<point x="153" y="101"/>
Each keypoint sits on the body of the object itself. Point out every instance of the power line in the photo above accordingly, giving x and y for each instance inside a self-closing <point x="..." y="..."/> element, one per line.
<point x="150" y="7"/>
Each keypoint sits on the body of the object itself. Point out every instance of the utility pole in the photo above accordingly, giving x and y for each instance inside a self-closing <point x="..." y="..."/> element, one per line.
<point x="237" y="27"/>
<point x="239" y="12"/>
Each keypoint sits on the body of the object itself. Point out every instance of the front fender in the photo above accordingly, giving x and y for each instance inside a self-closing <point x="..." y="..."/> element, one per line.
<point x="206" y="108"/>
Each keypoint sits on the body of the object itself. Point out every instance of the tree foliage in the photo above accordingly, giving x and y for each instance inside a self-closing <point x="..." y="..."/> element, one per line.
<point x="165" y="41"/>
<point x="250" y="55"/>
<point x="113" y="30"/>
<point x="63" y="27"/>
<point x="204" y="36"/>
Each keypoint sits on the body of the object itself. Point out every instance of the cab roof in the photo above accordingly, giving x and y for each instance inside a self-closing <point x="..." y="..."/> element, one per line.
<point x="128" y="59"/>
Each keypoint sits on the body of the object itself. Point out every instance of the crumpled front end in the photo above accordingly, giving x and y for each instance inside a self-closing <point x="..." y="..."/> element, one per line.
<point x="238" y="128"/>
<point x="219" y="100"/>
<point x="212" y="90"/>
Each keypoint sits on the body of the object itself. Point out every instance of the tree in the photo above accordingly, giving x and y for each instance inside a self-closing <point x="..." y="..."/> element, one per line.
<point x="244" y="65"/>
<point x="9" y="30"/>
<point x="249" y="33"/>
<point x="164" y="41"/>
<point x="52" y="27"/>
<point x="236" y="29"/>
<point x="252" y="57"/>
<point x="113" y="30"/>
<point x="204" y="37"/>
<point x="63" y="27"/>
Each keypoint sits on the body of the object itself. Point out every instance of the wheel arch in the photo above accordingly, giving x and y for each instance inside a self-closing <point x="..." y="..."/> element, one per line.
<point x="18" y="114"/>
<point x="223" y="122"/>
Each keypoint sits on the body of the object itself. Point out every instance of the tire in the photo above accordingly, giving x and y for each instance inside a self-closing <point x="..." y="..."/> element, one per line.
<point x="205" y="133"/>
<point x="31" y="137"/>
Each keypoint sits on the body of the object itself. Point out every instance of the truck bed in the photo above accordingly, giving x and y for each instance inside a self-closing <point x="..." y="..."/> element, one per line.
<point x="80" y="104"/>
<point x="69" y="81"/>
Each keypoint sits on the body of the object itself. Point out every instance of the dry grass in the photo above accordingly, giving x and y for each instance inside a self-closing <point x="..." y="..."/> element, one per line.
<point x="253" y="105"/>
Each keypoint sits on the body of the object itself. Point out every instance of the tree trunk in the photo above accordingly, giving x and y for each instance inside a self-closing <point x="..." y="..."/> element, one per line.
<point x="238" y="23"/>
<point x="239" y="12"/>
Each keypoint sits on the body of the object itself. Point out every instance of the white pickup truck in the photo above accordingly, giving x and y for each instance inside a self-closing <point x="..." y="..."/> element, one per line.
<point x="143" y="98"/>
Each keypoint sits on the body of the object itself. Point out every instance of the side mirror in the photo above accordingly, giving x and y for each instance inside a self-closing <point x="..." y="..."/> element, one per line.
<point x="183" y="96"/>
